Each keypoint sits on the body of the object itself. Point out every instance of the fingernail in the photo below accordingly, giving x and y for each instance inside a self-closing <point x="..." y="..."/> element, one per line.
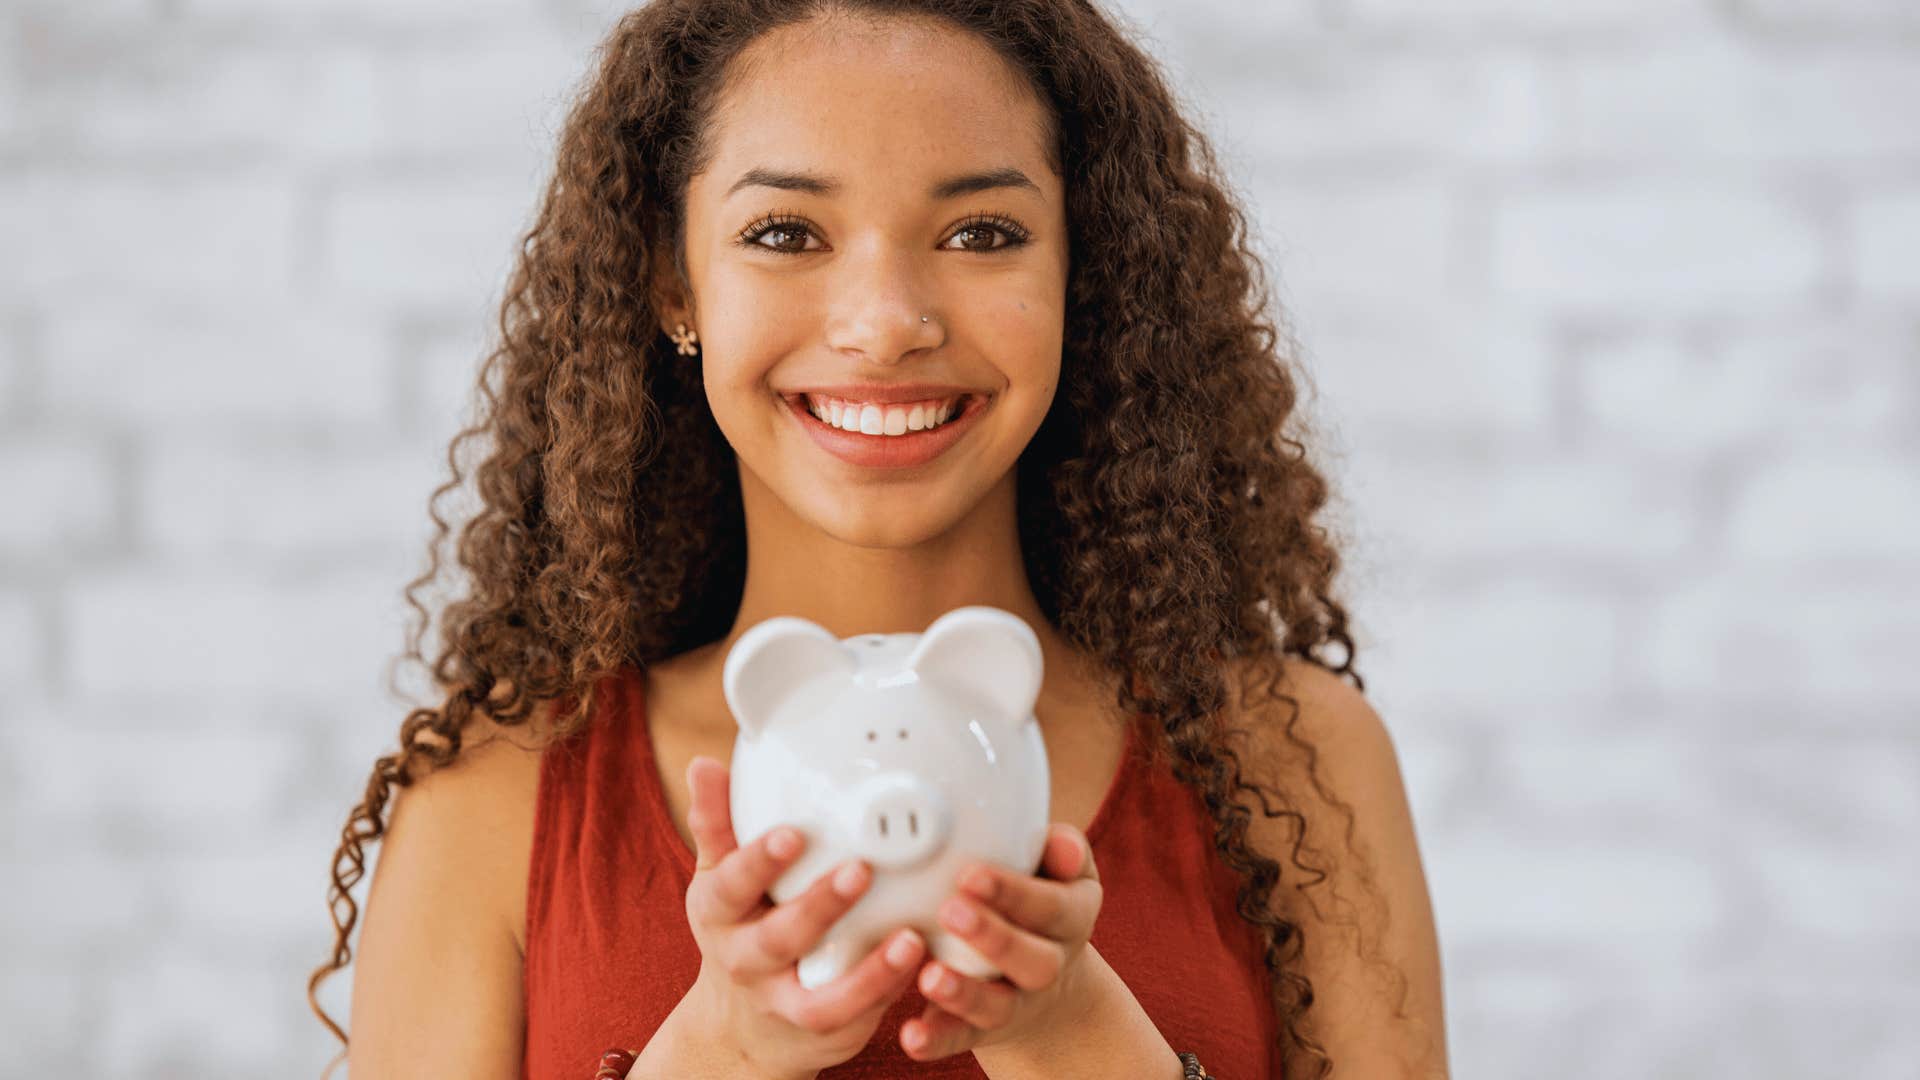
<point x="902" y="952"/>
<point x="979" y="882"/>
<point x="913" y="1037"/>
<point x="960" y="915"/>
<point x="783" y="843"/>
<point x="848" y="879"/>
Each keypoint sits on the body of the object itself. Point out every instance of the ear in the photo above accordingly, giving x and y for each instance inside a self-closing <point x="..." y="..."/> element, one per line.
<point x="772" y="660"/>
<point x="984" y="653"/>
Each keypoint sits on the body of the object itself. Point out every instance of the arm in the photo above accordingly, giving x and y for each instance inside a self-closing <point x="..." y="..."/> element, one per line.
<point x="1356" y="991"/>
<point x="680" y="1049"/>
<point x="1115" y="1038"/>
<point x="437" y="984"/>
<point x="1353" y="1015"/>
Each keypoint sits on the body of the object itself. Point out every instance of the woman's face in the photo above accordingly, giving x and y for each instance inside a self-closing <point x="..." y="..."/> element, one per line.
<point x="818" y="238"/>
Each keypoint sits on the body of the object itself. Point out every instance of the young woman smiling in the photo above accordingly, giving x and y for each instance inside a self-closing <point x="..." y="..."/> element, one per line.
<point x="863" y="311"/>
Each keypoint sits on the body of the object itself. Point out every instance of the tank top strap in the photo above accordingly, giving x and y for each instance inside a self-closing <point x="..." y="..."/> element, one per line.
<point x="1120" y="788"/>
<point x="649" y="778"/>
<point x="595" y="806"/>
<point x="609" y="953"/>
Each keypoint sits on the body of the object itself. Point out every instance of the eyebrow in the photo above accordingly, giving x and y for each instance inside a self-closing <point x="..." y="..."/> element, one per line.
<point x="964" y="184"/>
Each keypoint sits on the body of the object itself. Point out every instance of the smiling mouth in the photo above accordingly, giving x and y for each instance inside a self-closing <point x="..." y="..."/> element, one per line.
<point x="908" y="421"/>
<point x="906" y="450"/>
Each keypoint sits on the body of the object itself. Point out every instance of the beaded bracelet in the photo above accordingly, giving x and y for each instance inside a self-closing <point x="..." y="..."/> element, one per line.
<point x="615" y="1064"/>
<point x="1195" y="1070"/>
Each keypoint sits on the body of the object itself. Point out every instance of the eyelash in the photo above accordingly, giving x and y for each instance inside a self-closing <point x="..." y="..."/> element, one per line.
<point x="788" y="220"/>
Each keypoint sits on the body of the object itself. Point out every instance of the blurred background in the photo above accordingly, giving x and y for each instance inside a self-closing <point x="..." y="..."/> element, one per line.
<point x="1612" y="316"/>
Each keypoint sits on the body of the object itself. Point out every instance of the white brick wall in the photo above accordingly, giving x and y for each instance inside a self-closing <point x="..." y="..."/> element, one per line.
<point x="170" y="233"/>
<point x="1764" y="385"/>
<point x="1659" y="247"/>
<point x="1612" y="316"/>
<point x="168" y="370"/>
<point x="422" y="242"/>
<point x="1882" y="228"/>
<point x="58" y="491"/>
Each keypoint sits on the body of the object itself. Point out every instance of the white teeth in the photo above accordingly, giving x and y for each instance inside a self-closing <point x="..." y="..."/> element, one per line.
<point x="878" y="420"/>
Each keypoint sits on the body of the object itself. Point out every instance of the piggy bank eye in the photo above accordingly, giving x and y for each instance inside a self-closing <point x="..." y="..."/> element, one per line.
<point x="903" y="733"/>
<point x="869" y="736"/>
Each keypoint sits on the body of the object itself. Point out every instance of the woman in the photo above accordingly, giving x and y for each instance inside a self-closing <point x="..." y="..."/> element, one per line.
<point x="865" y="311"/>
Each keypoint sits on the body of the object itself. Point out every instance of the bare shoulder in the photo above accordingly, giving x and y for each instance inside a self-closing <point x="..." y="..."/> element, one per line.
<point x="482" y="804"/>
<point x="1351" y="749"/>
<point x="1330" y="706"/>
<point x="437" y="989"/>
<point x="1369" y="944"/>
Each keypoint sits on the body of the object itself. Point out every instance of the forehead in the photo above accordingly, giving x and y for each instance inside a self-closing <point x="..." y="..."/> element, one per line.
<point x="885" y="99"/>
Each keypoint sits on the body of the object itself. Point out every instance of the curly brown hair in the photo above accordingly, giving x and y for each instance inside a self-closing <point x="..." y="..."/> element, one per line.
<point x="1166" y="504"/>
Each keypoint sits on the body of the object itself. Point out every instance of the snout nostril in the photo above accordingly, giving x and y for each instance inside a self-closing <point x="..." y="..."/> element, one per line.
<point x="913" y="823"/>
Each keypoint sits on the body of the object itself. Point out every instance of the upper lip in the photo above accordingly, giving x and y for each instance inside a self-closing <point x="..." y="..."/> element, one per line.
<point x="888" y="393"/>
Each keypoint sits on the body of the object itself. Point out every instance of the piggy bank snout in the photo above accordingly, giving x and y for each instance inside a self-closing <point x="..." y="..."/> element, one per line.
<point x="902" y="820"/>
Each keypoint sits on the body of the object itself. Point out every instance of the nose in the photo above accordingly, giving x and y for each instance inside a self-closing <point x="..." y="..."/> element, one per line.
<point x="903" y="821"/>
<point x="877" y="317"/>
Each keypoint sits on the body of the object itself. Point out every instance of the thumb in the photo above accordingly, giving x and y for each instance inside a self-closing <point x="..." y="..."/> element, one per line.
<point x="709" y="813"/>
<point x="1068" y="854"/>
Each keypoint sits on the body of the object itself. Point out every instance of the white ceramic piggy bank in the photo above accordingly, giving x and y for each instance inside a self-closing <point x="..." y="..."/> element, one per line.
<point x="917" y="752"/>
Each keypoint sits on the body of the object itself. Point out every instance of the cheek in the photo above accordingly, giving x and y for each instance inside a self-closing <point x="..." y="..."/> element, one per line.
<point x="1022" y="337"/>
<point x="749" y="321"/>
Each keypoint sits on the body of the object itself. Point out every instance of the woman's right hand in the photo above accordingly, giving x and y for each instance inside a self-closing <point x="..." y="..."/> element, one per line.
<point x="748" y="993"/>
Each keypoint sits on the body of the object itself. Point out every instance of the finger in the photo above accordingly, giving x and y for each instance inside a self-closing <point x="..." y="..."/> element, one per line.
<point x="936" y="1033"/>
<point x="1030" y="961"/>
<point x="1067" y="855"/>
<point x="709" y="817"/>
<point x="732" y="890"/>
<point x="877" y="979"/>
<point x="1056" y="909"/>
<point x="791" y="930"/>
<point x="985" y="1004"/>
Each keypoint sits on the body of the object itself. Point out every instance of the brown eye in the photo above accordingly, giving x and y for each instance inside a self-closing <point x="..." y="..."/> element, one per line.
<point x="903" y="733"/>
<point x="986" y="228"/>
<point x="870" y="736"/>
<point x="985" y="234"/>
<point x="788" y="229"/>
<point x="782" y="244"/>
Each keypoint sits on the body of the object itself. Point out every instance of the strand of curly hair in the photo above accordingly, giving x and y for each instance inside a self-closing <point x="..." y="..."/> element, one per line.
<point x="1167" y="516"/>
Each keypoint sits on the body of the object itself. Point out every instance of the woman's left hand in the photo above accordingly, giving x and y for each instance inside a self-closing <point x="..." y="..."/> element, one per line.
<point x="1034" y="930"/>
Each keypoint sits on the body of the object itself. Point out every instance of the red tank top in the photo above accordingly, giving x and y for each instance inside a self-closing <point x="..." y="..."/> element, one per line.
<point x="609" y="952"/>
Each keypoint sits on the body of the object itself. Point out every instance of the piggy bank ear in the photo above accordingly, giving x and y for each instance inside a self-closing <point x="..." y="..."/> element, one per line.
<point x="984" y="653"/>
<point x="772" y="660"/>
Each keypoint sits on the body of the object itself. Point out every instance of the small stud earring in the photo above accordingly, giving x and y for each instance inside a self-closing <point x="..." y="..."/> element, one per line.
<point x="684" y="338"/>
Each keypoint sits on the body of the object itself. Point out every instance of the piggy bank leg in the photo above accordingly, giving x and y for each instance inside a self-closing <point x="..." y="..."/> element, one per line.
<point x="827" y="960"/>
<point x="960" y="956"/>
